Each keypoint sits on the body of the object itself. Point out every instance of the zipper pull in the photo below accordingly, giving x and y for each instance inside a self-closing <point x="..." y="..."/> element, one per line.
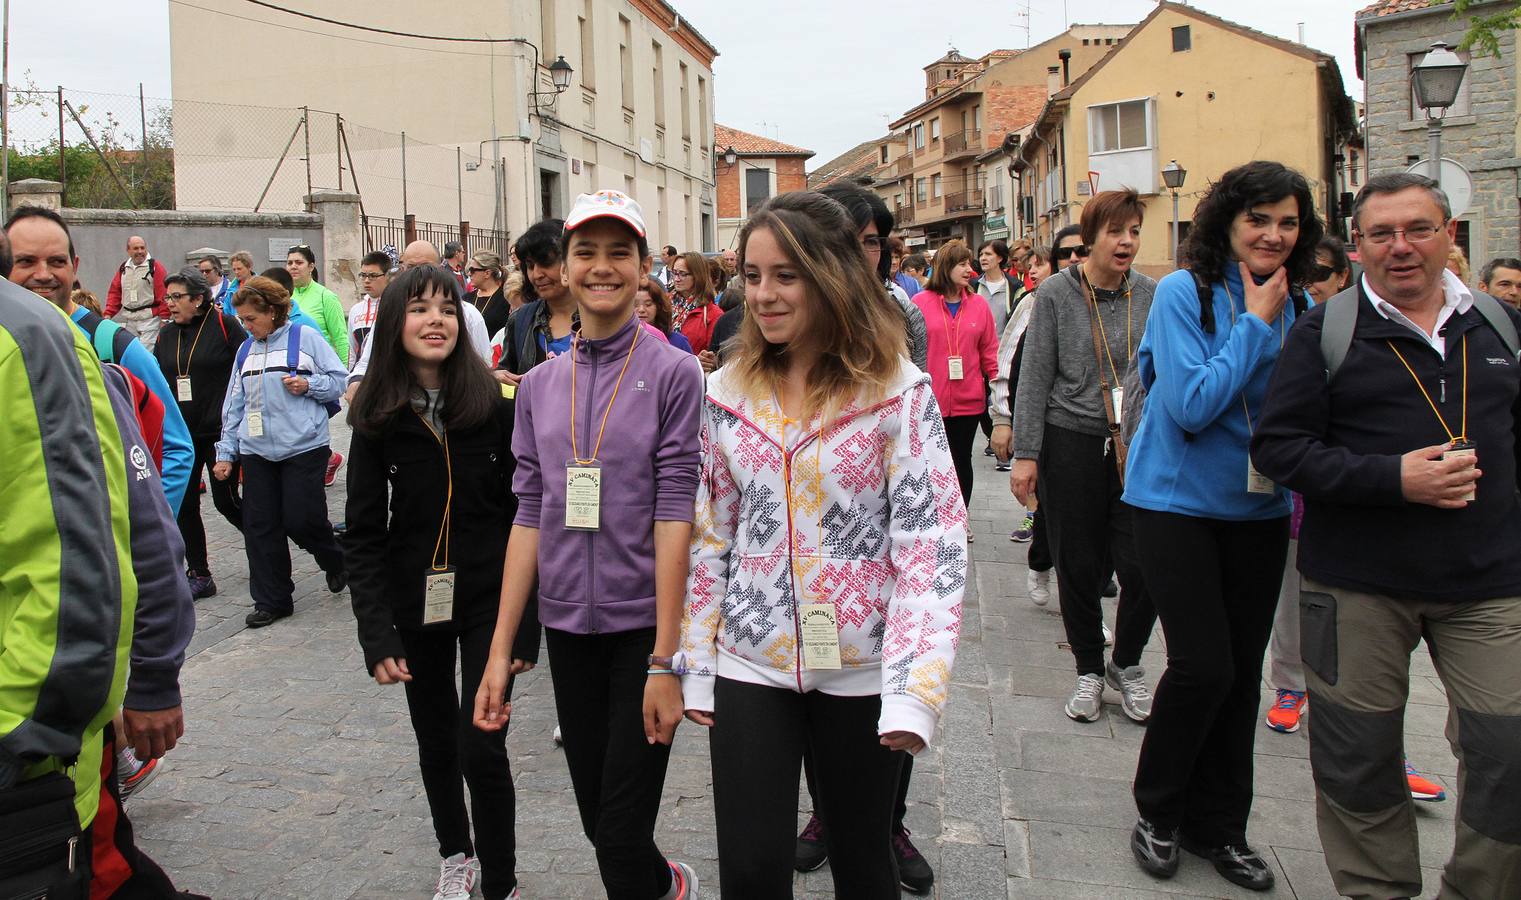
<point x="73" y="845"/>
<point x="1442" y="383"/>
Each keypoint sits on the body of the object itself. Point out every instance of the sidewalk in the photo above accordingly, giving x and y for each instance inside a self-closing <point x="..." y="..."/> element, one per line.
<point x="297" y="776"/>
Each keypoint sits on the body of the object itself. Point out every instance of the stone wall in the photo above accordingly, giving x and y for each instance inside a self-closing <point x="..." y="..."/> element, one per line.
<point x="1484" y="140"/>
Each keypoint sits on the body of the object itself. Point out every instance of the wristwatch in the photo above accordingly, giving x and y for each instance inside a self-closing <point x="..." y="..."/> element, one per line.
<point x="676" y="664"/>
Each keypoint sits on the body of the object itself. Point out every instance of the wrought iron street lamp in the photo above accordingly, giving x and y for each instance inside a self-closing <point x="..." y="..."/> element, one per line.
<point x="1173" y="176"/>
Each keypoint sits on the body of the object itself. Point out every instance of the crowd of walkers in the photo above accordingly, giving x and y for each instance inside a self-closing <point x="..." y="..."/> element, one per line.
<point x="735" y="491"/>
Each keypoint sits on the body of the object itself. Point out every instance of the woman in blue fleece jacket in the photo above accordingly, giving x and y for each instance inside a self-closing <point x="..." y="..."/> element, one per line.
<point x="1211" y="534"/>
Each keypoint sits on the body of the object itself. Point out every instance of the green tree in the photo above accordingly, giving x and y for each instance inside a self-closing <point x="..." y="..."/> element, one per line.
<point x="1487" y="28"/>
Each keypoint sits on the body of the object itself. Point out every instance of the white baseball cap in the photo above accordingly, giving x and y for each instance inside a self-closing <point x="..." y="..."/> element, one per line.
<point x="606" y="204"/>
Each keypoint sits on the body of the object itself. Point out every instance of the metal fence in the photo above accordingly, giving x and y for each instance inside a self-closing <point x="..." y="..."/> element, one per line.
<point x="382" y="231"/>
<point x="135" y="152"/>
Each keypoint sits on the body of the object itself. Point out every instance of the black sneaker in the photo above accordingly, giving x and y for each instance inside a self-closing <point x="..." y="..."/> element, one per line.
<point x="261" y="617"/>
<point x="914" y="871"/>
<point x="1111" y="590"/>
<point x="340" y="529"/>
<point x="337" y="581"/>
<point x="1236" y="863"/>
<point x="1155" y="850"/>
<point x="988" y="450"/>
<point x="812" y="852"/>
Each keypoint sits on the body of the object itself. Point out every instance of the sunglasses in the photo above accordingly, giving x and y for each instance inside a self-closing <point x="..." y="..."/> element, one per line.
<point x="1321" y="273"/>
<point x="1080" y="251"/>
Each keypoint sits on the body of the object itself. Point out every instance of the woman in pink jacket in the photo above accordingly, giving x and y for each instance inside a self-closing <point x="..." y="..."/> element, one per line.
<point x="963" y="352"/>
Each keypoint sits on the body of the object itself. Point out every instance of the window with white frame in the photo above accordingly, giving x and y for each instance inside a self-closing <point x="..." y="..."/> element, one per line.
<point x="1119" y="126"/>
<point x="935" y="185"/>
<point x="934" y="130"/>
<point x="919" y="189"/>
<point x="918" y="135"/>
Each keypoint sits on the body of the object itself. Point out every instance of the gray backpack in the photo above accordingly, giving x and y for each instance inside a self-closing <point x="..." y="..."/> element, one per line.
<point x="1341" y="321"/>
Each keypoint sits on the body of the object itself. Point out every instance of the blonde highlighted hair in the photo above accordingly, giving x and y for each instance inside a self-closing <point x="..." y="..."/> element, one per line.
<point x="853" y="323"/>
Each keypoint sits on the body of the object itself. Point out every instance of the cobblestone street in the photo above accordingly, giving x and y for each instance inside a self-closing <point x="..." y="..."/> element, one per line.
<point x="297" y="775"/>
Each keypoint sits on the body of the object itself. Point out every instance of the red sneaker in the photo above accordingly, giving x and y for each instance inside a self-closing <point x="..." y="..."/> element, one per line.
<point x="1423" y="788"/>
<point x="1286" y="713"/>
<point x="333" y="462"/>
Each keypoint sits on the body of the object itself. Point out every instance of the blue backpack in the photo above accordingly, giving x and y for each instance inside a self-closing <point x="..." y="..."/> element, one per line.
<point x="292" y="362"/>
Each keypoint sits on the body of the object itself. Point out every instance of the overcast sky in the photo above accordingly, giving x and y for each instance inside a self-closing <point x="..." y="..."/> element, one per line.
<point x="822" y="74"/>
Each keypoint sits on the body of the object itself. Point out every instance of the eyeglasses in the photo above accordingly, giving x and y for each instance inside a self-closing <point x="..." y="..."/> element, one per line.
<point x="1080" y="251"/>
<point x="370" y="276"/>
<point x="873" y="243"/>
<point x="678" y="273"/>
<point x="177" y="296"/>
<point x="1321" y="273"/>
<point x="1415" y="234"/>
<point x="208" y="271"/>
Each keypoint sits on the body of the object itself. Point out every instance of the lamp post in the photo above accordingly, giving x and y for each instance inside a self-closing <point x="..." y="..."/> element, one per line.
<point x="730" y="157"/>
<point x="1436" y="79"/>
<point x="559" y="76"/>
<point x="1172" y="176"/>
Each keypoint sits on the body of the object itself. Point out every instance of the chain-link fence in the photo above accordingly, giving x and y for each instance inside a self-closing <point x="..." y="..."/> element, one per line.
<point x="134" y="152"/>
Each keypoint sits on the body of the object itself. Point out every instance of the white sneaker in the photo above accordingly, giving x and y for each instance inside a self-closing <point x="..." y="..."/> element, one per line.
<point x="556" y="737"/>
<point x="1131" y="683"/>
<point x="1108" y="635"/>
<point x="1038" y="584"/>
<point x="457" y="875"/>
<point x="1087" y="699"/>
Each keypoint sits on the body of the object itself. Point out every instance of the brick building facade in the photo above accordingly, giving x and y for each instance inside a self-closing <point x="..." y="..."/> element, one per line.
<point x="1479" y="132"/>
<point x="762" y="168"/>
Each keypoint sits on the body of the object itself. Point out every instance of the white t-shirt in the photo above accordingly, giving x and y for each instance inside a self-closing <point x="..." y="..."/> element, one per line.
<point x="361" y="322"/>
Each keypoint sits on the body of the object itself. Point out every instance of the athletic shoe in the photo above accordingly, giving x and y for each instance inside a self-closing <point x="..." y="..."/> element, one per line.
<point x="202" y="586"/>
<point x="1155" y="849"/>
<point x="1003" y="466"/>
<point x="1108" y="635"/>
<point x="333" y="462"/>
<point x="133" y="775"/>
<point x="340" y="529"/>
<point x="970" y="538"/>
<point x="262" y="617"/>
<point x="1111" y="590"/>
<point x="812" y="852"/>
<point x="1135" y="696"/>
<point x="457" y="875"/>
<point x="1025" y="531"/>
<point x="1285" y="715"/>
<point x="556" y="737"/>
<point x="337" y="581"/>
<point x="914" y="871"/>
<point x="988" y="450"/>
<point x="1086" y="700"/>
<point x="1422" y="788"/>
<point x="683" y="882"/>
<point x="1039" y="586"/>
<point x="1236" y="863"/>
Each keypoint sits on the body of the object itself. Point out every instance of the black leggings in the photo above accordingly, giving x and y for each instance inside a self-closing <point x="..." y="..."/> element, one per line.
<point x="449" y="746"/>
<point x="961" y="433"/>
<point x="285" y="499"/>
<point x="1216" y="588"/>
<point x="1039" y="558"/>
<point x="1089" y="526"/>
<point x="224" y="495"/>
<point x="618" y="776"/>
<point x="759" y="738"/>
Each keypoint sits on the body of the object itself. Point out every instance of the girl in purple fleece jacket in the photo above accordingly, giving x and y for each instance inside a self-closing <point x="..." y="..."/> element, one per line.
<point x="606" y="439"/>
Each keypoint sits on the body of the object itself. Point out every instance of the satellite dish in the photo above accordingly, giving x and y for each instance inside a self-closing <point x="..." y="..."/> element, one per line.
<point x="1457" y="183"/>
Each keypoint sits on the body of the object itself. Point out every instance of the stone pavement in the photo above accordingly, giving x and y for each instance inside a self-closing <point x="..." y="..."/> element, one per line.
<point x="297" y="775"/>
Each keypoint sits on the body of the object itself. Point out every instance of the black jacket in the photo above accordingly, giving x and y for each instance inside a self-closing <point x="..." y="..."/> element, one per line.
<point x="1340" y="446"/>
<point x="522" y="350"/>
<point x="493" y="308"/>
<point x="209" y="368"/>
<point x="388" y="557"/>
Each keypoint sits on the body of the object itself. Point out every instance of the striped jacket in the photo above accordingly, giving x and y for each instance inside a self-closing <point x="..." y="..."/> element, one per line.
<point x="866" y="516"/>
<point x="67" y="592"/>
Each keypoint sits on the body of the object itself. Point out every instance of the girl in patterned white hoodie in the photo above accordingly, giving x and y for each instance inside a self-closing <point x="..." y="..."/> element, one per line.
<point x="828" y="557"/>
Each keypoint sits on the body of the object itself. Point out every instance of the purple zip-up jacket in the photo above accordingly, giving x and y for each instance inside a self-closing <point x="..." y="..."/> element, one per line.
<point x="596" y="582"/>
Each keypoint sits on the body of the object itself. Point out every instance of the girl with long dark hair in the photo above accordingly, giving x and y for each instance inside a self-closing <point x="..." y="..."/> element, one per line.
<point x="1210" y="532"/>
<point x="433" y="430"/>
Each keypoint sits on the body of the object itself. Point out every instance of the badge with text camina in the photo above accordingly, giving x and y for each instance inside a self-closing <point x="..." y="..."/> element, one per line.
<point x="583" y="496"/>
<point x="821" y="636"/>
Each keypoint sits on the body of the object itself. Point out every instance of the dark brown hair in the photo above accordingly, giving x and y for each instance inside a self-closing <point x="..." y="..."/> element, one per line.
<point x="662" y="303"/>
<point x="1110" y="209"/>
<point x="265" y="295"/>
<point x="950" y="255"/>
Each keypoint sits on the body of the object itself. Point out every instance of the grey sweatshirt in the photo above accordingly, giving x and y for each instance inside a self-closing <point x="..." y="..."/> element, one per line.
<point x="1058" y="377"/>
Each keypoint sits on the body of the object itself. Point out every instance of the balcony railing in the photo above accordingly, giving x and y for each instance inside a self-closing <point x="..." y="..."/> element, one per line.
<point x="961" y="200"/>
<point x="903" y="215"/>
<point x="962" y="142"/>
<point x="905" y="164"/>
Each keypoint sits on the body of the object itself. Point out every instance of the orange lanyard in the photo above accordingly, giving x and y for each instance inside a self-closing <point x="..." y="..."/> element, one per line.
<point x="575" y="453"/>
<point x="179" y="343"/>
<point x="1463" y="434"/>
<point x="443" y="530"/>
<point x="952" y="323"/>
<point x="1093" y="298"/>
<point x="1250" y="429"/>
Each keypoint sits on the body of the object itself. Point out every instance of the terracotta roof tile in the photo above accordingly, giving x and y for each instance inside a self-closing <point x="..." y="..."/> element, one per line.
<point x="862" y="159"/>
<point x="747" y="144"/>
<point x="1390" y="7"/>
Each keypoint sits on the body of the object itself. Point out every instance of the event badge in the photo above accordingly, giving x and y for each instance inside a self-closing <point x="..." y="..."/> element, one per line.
<point x="957" y="371"/>
<point x="1117" y="396"/>
<point x="510" y="391"/>
<point x="821" y="635"/>
<point x="583" y="496"/>
<point x="1256" y="482"/>
<point x="255" y="423"/>
<point x="438" y="596"/>
<point x="1458" y="448"/>
<point x="182" y="388"/>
